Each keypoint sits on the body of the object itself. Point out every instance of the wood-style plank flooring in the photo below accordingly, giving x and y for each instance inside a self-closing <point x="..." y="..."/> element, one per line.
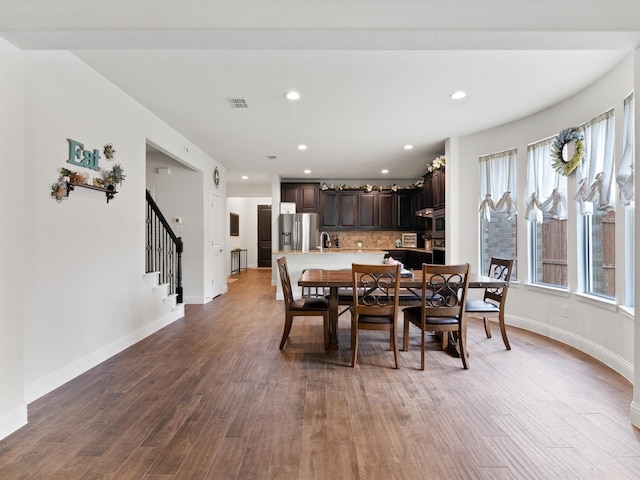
<point x="212" y="397"/>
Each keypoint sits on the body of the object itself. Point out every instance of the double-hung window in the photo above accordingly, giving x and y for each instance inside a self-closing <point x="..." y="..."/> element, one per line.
<point x="498" y="208"/>
<point x="546" y="214"/>
<point x="597" y="217"/>
<point x="625" y="185"/>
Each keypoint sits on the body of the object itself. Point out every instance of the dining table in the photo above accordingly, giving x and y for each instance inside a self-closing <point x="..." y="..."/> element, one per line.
<point x="410" y="283"/>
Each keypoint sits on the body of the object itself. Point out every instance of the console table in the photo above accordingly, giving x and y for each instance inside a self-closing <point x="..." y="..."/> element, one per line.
<point x="238" y="256"/>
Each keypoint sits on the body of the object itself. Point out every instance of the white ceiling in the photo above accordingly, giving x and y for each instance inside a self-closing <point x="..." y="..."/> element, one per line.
<point x="374" y="76"/>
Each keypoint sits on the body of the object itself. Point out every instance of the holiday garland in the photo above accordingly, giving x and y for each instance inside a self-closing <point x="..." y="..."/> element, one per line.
<point x="562" y="166"/>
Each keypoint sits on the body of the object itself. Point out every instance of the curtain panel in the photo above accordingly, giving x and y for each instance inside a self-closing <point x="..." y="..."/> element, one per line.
<point x="595" y="172"/>
<point x="546" y="189"/>
<point x="498" y="181"/>
<point x="625" y="172"/>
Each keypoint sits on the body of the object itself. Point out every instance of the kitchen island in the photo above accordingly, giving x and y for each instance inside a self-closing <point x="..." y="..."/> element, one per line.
<point x="328" y="258"/>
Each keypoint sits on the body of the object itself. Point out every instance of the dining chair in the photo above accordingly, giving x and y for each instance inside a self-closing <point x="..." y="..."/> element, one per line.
<point x="306" y="306"/>
<point x="375" y="305"/>
<point x="444" y="291"/>
<point x="494" y="299"/>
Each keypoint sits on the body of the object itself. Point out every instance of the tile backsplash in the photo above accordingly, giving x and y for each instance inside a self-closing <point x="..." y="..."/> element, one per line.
<point x="370" y="239"/>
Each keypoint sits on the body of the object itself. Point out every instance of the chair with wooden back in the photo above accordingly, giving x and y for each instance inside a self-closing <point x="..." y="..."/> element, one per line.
<point x="375" y="304"/>
<point x="444" y="291"/>
<point x="308" y="306"/>
<point x="494" y="300"/>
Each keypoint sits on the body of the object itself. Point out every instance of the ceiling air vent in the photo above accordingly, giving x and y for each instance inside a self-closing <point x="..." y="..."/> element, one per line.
<point x="237" y="102"/>
<point x="272" y="157"/>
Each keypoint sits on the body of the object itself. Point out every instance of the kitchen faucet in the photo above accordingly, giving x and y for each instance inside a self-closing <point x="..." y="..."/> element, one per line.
<point x="322" y="235"/>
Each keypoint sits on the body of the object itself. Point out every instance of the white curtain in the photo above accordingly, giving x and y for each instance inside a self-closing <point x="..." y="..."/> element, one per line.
<point x="498" y="181"/>
<point x="625" y="172"/>
<point x="595" y="173"/>
<point x="546" y="189"/>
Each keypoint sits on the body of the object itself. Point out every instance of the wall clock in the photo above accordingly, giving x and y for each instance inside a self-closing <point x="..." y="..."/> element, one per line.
<point x="216" y="177"/>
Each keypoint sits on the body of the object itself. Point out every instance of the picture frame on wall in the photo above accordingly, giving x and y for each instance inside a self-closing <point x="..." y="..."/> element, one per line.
<point x="234" y="224"/>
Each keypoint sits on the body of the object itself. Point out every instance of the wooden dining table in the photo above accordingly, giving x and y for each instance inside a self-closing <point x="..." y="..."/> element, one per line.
<point x="410" y="283"/>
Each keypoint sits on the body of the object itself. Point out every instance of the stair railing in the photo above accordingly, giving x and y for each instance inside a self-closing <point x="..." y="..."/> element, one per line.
<point x="164" y="249"/>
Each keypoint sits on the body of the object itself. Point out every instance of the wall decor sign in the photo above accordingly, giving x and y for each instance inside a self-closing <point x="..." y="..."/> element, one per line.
<point x="89" y="159"/>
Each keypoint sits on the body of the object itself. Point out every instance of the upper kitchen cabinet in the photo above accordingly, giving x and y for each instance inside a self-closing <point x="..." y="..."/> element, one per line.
<point x="434" y="189"/>
<point x="406" y="210"/>
<point x="348" y="209"/>
<point x="304" y="195"/>
<point x="387" y="211"/>
<point x="367" y="211"/>
<point x="329" y="210"/>
<point x="363" y="210"/>
<point x="437" y="183"/>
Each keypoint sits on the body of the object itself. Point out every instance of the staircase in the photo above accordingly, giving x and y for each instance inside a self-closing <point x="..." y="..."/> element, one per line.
<point x="163" y="262"/>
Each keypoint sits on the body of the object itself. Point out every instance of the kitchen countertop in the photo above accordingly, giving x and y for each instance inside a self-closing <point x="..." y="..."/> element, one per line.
<point x="333" y="250"/>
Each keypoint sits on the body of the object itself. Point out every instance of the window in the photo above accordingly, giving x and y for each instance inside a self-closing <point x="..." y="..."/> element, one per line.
<point x="625" y="184"/>
<point x="546" y="214"/>
<point x="497" y="208"/>
<point x="596" y="224"/>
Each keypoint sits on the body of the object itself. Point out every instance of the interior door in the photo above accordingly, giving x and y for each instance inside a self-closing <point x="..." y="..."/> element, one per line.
<point x="217" y="226"/>
<point x="264" y="235"/>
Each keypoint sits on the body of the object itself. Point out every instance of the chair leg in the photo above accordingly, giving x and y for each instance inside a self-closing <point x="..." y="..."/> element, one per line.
<point x="421" y="349"/>
<point x="405" y="336"/>
<point x="462" y="341"/>
<point x="287" y="329"/>
<point x="487" y="328"/>
<point x="394" y="341"/>
<point x="503" y="330"/>
<point x="354" y="351"/>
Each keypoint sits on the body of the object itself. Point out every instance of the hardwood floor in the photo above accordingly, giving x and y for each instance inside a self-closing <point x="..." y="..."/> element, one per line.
<point x="212" y="397"/>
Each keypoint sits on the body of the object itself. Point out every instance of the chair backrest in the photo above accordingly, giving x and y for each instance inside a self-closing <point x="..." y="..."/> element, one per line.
<point x="444" y="290"/>
<point x="374" y="289"/>
<point x="285" y="281"/>
<point x="501" y="269"/>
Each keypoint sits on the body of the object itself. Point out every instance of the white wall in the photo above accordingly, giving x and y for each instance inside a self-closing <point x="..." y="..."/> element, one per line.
<point x="596" y="328"/>
<point x="84" y="288"/>
<point x="247" y="209"/>
<point x="13" y="409"/>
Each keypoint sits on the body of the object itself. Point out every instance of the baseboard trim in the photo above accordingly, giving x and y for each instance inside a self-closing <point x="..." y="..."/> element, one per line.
<point x="585" y="345"/>
<point x="50" y="382"/>
<point x="13" y="421"/>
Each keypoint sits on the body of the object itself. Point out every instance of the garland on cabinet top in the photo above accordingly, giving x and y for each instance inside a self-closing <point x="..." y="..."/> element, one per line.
<point x="562" y="166"/>
<point x="371" y="188"/>
<point x="87" y="159"/>
<point x="436" y="164"/>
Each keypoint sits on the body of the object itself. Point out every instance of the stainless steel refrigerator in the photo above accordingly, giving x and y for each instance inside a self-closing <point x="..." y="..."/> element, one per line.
<point x="298" y="231"/>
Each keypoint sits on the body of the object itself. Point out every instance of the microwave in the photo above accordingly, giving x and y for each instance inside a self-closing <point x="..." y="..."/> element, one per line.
<point x="438" y="224"/>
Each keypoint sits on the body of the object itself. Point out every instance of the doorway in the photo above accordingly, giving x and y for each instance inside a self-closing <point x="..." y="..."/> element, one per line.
<point x="264" y="235"/>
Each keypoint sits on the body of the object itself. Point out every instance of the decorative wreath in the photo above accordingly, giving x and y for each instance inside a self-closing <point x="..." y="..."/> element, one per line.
<point x="562" y="166"/>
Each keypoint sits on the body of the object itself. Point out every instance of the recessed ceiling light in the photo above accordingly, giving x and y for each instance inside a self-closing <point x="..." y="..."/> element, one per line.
<point x="408" y="147"/>
<point x="307" y="171"/>
<point x="244" y="177"/>
<point x="302" y="147"/>
<point x="384" y="171"/>
<point x="293" y="95"/>
<point x="458" y="95"/>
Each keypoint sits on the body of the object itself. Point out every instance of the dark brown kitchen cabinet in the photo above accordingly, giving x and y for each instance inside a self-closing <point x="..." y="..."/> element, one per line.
<point x="434" y="189"/>
<point x="437" y="184"/>
<point x="367" y="209"/>
<point x="304" y="195"/>
<point x="387" y="211"/>
<point x="348" y="209"/>
<point x="329" y="210"/>
<point x="406" y="211"/>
